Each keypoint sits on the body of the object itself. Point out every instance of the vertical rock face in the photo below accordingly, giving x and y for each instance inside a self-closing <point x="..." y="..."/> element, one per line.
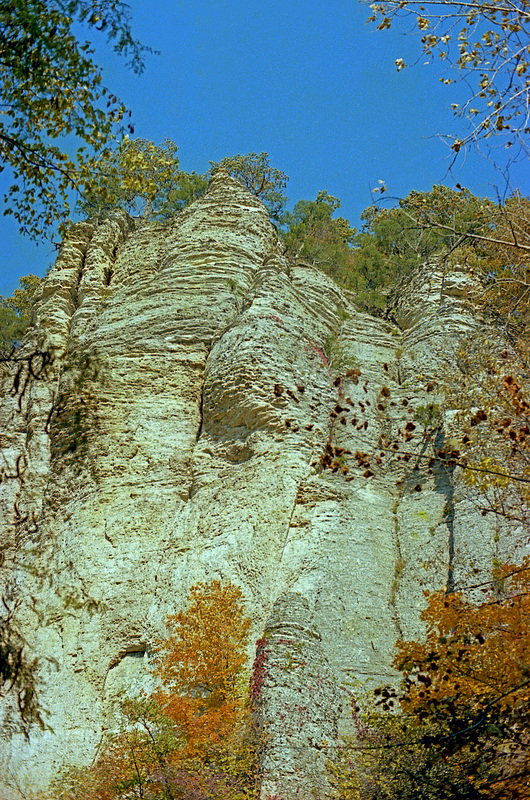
<point x="206" y="415"/>
<point x="299" y="701"/>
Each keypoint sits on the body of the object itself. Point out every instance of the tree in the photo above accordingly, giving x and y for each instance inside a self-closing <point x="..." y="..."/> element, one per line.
<point x="201" y="664"/>
<point x="313" y="236"/>
<point x="264" y="181"/>
<point x="464" y="730"/>
<point x="505" y="271"/>
<point x="52" y="89"/>
<point x="493" y="401"/>
<point x="193" y="738"/>
<point x="15" y="312"/>
<point x="487" y="43"/>
<point x="140" y="176"/>
<point x="394" y="241"/>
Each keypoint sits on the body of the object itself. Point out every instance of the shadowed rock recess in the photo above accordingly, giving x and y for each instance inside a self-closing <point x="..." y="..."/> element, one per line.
<point x="206" y="415"/>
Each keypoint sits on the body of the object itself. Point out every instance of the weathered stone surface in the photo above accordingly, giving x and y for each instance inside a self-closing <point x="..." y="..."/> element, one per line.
<point x="299" y="702"/>
<point x="179" y="436"/>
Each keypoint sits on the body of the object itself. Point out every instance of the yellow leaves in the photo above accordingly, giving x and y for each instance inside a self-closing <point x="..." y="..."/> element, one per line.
<point x="206" y="647"/>
<point x="136" y="172"/>
<point x="51" y="88"/>
<point x="195" y="737"/>
<point x="498" y="53"/>
<point x="486" y="474"/>
<point x="400" y="64"/>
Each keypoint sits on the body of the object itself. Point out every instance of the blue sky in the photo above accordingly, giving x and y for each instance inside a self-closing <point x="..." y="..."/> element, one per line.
<point x="308" y="82"/>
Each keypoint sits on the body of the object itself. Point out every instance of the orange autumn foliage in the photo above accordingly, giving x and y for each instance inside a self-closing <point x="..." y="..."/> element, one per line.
<point x="471" y="677"/>
<point x="193" y="738"/>
<point x="200" y="665"/>
<point x="462" y="731"/>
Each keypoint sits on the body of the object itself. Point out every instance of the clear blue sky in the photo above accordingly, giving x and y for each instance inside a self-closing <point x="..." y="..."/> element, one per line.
<point x="307" y="81"/>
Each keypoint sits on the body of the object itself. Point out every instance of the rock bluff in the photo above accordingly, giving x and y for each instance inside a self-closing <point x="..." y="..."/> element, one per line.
<point x="195" y="423"/>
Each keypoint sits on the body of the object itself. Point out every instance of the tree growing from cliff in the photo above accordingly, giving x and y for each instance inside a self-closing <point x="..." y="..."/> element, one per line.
<point x="464" y="730"/>
<point x="314" y="237"/>
<point x="51" y="89"/>
<point x="505" y="270"/>
<point x="140" y="177"/>
<point x="484" y="43"/>
<point x="393" y="241"/>
<point x="454" y="226"/>
<point x="193" y="738"/>
<point x="255" y="172"/>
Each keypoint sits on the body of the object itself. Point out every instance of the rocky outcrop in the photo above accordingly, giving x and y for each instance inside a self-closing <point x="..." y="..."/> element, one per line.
<point x="298" y="700"/>
<point x="213" y="412"/>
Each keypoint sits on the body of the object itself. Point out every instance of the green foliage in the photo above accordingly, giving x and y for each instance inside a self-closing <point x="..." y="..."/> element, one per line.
<point x="313" y="236"/>
<point x="140" y="177"/>
<point x="191" y="186"/>
<point x="51" y="89"/>
<point x="424" y="224"/>
<point x="484" y="43"/>
<point x="392" y="242"/>
<point x="266" y="182"/>
<point x="15" y="312"/>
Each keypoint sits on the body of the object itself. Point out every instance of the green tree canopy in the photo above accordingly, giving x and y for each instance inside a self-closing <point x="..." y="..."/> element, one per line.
<point x="394" y="241"/>
<point x="140" y="177"/>
<point x="313" y="236"/>
<point x="260" y="178"/>
<point x="51" y="89"/>
<point x="15" y="312"/>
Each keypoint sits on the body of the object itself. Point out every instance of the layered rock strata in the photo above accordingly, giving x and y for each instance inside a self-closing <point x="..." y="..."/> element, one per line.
<point x="211" y="411"/>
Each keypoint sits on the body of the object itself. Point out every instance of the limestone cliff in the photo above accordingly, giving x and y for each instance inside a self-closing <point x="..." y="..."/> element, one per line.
<point x="201" y="419"/>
